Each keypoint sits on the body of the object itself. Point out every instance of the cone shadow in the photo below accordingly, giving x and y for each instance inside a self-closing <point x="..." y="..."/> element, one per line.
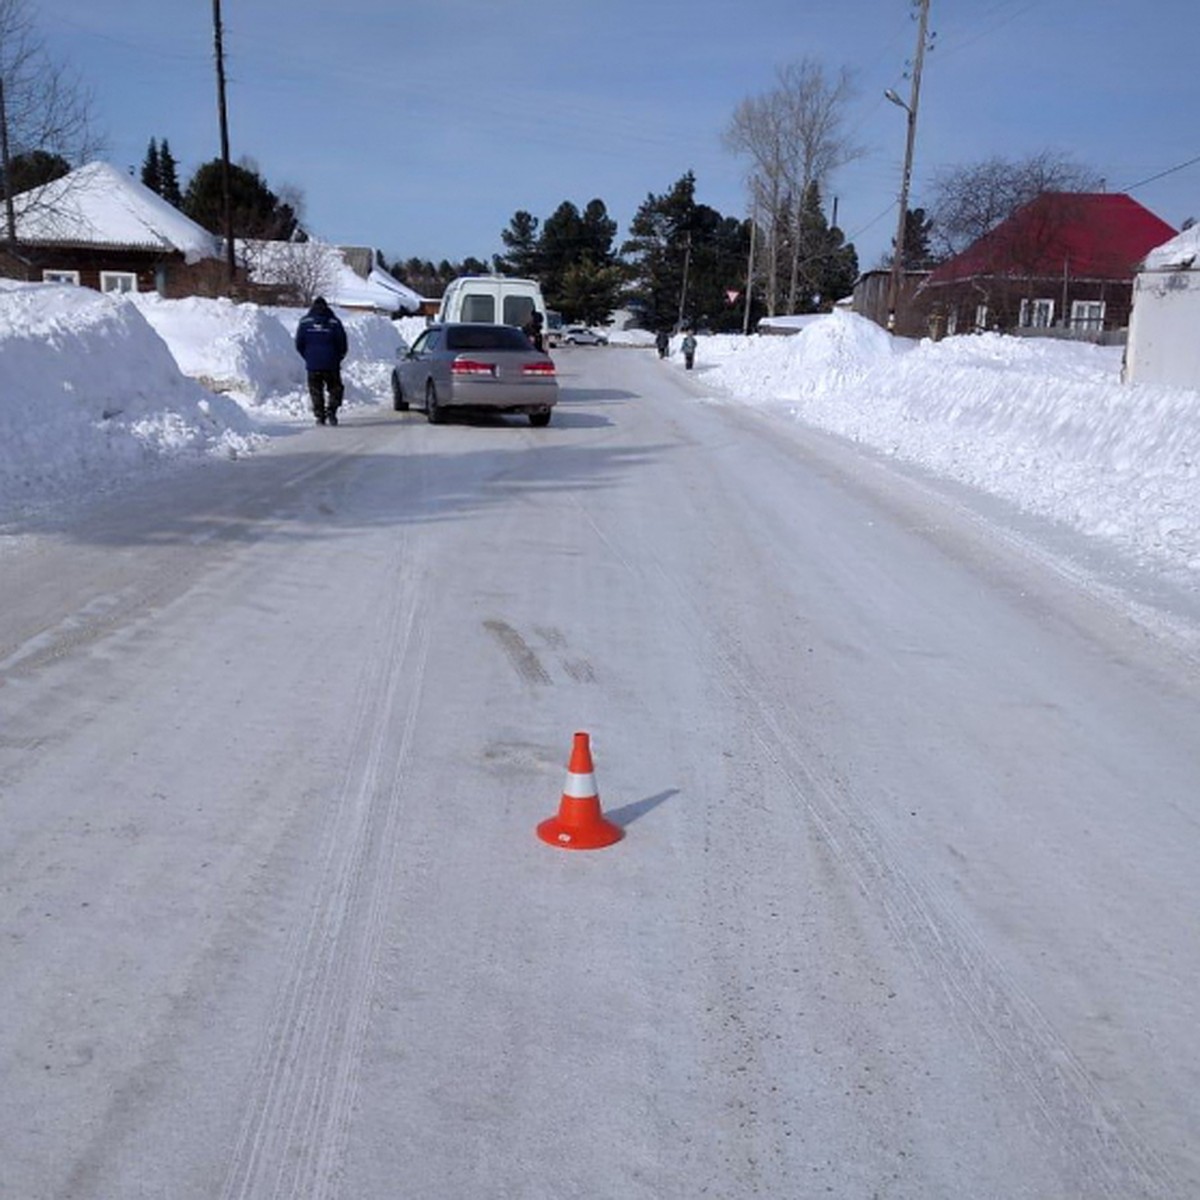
<point x="628" y="813"/>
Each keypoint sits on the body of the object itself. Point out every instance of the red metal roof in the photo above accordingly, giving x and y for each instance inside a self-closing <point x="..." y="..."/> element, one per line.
<point x="1094" y="235"/>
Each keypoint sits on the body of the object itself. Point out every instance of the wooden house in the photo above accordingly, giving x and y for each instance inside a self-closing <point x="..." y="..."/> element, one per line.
<point x="99" y="227"/>
<point x="1063" y="262"/>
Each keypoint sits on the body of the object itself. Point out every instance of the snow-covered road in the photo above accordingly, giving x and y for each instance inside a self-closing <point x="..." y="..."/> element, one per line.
<point x="906" y="905"/>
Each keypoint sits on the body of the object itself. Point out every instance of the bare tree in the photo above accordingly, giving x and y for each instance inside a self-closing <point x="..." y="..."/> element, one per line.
<point x="795" y="137"/>
<point x="298" y="272"/>
<point x="758" y="130"/>
<point x="969" y="201"/>
<point x="313" y="269"/>
<point x="43" y="107"/>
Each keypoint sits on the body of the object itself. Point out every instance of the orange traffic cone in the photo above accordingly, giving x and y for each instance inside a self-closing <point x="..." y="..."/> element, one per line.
<point x="580" y="825"/>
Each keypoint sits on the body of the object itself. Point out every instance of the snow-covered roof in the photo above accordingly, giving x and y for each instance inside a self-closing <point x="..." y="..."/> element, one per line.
<point x="380" y="289"/>
<point x="323" y="267"/>
<point x="1181" y="252"/>
<point x="98" y="205"/>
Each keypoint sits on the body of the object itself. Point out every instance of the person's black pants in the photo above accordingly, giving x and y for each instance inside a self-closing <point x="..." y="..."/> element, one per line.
<point x="319" y="384"/>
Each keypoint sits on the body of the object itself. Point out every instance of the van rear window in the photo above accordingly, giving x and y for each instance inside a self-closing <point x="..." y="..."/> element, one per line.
<point x="492" y="337"/>
<point x="518" y="310"/>
<point x="479" y="306"/>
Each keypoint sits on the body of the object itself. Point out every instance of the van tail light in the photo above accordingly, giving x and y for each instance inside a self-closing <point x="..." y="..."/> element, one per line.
<point x="470" y="366"/>
<point x="539" y="368"/>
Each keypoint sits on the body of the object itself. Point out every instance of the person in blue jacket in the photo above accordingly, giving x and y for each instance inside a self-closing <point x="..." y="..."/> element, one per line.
<point x="321" y="339"/>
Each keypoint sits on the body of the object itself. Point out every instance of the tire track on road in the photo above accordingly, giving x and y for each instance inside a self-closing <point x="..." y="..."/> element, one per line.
<point x="295" y="1128"/>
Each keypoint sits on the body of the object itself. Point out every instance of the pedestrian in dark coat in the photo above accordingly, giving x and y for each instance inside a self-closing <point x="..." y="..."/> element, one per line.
<point x="321" y="340"/>
<point x="689" y="350"/>
<point x="662" y="343"/>
<point x="533" y="331"/>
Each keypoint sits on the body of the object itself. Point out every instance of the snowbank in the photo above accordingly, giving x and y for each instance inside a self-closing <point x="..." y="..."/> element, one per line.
<point x="89" y="392"/>
<point x="248" y="351"/>
<point x="1045" y="424"/>
<point x="228" y="347"/>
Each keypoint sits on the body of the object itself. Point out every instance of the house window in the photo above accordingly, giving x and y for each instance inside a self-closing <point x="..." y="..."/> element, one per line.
<point x="61" y="277"/>
<point x="118" y="281"/>
<point x="1087" y="314"/>
<point x="981" y="317"/>
<point x="1037" y="314"/>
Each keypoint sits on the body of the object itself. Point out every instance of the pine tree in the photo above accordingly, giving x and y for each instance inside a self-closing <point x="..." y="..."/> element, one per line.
<point x="152" y="168"/>
<point x="826" y="267"/>
<point x="917" y="230"/>
<point x="257" y="211"/>
<point x="659" y="246"/>
<point x="168" y="176"/>
<point x="521" y="242"/>
<point x="686" y="258"/>
<point x="31" y="170"/>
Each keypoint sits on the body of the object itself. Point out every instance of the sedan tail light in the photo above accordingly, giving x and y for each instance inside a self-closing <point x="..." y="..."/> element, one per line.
<point x="470" y="366"/>
<point x="538" y="368"/>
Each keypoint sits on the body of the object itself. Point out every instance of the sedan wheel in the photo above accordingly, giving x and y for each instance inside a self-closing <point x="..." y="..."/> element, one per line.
<point x="433" y="410"/>
<point x="399" y="404"/>
<point x="539" y="419"/>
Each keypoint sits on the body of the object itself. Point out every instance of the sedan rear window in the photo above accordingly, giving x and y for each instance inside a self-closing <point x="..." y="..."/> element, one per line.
<point x="486" y="337"/>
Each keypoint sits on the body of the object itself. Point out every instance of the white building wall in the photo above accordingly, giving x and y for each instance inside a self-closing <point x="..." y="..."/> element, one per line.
<point x="1164" y="329"/>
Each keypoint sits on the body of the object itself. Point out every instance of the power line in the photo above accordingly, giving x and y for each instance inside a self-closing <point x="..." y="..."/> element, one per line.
<point x="1162" y="174"/>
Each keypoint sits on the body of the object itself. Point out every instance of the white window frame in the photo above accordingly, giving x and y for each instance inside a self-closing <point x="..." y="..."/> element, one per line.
<point x="54" y="275"/>
<point x="981" y="317"/>
<point x="1087" y="314"/>
<point x="1037" y="314"/>
<point x="110" y="278"/>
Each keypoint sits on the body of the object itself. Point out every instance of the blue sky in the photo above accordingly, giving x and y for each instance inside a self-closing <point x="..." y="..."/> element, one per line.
<point x="421" y="127"/>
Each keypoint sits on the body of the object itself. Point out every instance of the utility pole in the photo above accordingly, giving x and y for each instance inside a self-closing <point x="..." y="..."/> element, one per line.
<point x="687" y="262"/>
<point x="226" y="187"/>
<point x="914" y="100"/>
<point x="10" y="215"/>
<point x="750" y="262"/>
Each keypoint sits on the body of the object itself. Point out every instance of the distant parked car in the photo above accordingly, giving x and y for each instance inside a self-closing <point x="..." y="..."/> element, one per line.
<point x="581" y="335"/>
<point x="484" y="368"/>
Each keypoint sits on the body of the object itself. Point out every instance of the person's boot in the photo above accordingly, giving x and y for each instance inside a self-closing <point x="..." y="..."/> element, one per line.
<point x="319" y="415"/>
<point x="331" y="416"/>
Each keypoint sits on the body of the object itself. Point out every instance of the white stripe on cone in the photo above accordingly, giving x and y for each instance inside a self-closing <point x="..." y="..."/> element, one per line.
<point x="580" y="787"/>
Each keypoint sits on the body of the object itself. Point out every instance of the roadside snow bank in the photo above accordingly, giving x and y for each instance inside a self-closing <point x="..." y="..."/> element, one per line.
<point x="1047" y="425"/>
<point x="88" y="392"/>
<point x="241" y="349"/>
<point x="248" y="351"/>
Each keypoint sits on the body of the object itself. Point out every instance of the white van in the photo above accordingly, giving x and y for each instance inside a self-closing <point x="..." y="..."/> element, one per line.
<point x="491" y="300"/>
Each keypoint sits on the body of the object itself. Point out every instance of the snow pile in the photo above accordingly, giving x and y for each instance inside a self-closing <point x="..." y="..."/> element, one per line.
<point x="249" y="352"/>
<point x="228" y="347"/>
<point x="828" y="355"/>
<point x="89" y="392"/>
<point x="373" y="341"/>
<point x="1180" y="253"/>
<point x="1045" y="424"/>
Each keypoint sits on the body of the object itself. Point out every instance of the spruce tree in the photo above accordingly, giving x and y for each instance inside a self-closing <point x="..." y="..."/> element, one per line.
<point x="168" y="176"/>
<point x="521" y="244"/>
<point x="152" y="168"/>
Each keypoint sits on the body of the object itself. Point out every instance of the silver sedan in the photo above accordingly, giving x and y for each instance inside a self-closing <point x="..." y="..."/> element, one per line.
<point x="470" y="367"/>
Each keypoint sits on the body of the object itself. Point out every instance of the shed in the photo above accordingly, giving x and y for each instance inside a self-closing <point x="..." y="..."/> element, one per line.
<point x="1163" y="343"/>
